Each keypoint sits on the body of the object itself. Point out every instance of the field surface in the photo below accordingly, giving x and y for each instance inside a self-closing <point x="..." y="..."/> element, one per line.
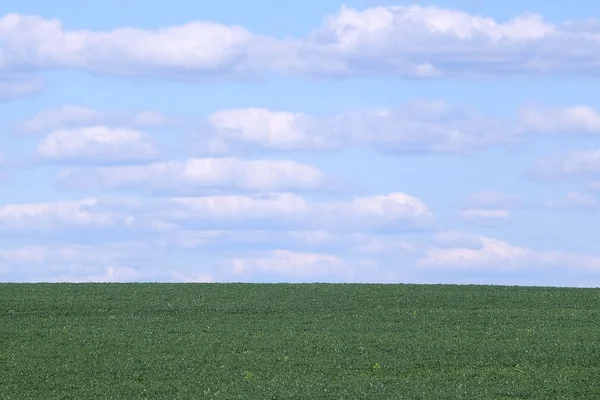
<point x="311" y="341"/>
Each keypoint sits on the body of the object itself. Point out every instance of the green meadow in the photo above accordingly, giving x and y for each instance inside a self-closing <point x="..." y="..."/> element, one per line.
<point x="298" y="341"/>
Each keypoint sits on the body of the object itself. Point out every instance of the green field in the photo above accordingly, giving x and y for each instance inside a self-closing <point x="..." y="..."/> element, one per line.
<point x="310" y="341"/>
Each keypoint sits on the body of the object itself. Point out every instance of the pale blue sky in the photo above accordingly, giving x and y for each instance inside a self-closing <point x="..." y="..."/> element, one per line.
<point x="371" y="141"/>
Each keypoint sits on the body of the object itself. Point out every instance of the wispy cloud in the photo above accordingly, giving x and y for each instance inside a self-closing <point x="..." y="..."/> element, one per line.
<point x="69" y="117"/>
<point x="98" y="144"/>
<point x="498" y="255"/>
<point x="197" y="174"/>
<point x="575" y="165"/>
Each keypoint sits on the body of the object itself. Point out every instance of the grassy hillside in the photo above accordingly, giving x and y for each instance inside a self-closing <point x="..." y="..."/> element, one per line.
<point x="317" y="341"/>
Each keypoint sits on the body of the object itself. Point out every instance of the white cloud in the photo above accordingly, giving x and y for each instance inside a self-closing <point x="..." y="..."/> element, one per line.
<point x="59" y="214"/>
<point x="271" y="129"/>
<point x="379" y="246"/>
<point x="578" y="119"/>
<point x="302" y="240"/>
<point x="489" y="208"/>
<point x="412" y="41"/>
<point x="486" y="216"/>
<point x="492" y="199"/>
<point x="449" y="239"/>
<point x="102" y="275"/>
<point x="200" y="277"/>
<point x="396" y="211"/>
<point x="75" y="116"/>
<point x="69" y="254"/>
<point x="198" y="173"/>
<point x="574" y="165"/>
<point x="495" y="255"/>
<point x="106" y="262"/>
<point x="275" y="205"/>
<point x="110" y="262"/>
<point x="426" y="126"/>
<point x="195" y="48"/>
<point x="418" y="126"/>
<point x="14" y="86"/>
<point x="60" y="118"/>
<point x="387" y="209"/>
<point x="214" y="221"/>
<point x="289" y="264"/>
<point x="98" y="143"/>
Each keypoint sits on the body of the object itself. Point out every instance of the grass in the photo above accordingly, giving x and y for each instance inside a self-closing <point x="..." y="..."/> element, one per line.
<point x="311" y="341"/>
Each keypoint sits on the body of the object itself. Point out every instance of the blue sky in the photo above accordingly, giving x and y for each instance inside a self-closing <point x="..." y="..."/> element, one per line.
<point x="423" y="142"/>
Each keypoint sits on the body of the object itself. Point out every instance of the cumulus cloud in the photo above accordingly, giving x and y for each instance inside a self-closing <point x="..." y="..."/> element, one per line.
<point x="102" y="275"/>
<point x="196" y="174"/>
<point x="430" y="41"/>
<point x="572" y="166"/>
<point x="237" y="207"/>
<point x="75" y="116"/>
<point x="98" y="144"/>
<point x="290" y="265"/>
<point x="196" y="48"/>
<point x="69" y="254"/>
<point x="387" y="209"/>
<point x="579" y="119"/>
<point x="60" y="215"/>
<point x="293" y="238"/>
<point x="396" y="211"/>
<point x="495" y="255"/>
<point x="225" y="220"/>
<point x="418" y="126"/>
<point x="271" y="129"/>
<point x="405" y="41"/>
<point x="106" y="262"/>
<point x="112" y="262"/>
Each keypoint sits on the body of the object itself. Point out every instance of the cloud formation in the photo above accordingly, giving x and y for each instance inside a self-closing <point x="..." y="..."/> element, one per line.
<point x="98" y="144"/>
<point x="575" y="165"/>
<point x="52" y="216"/>
<point x="419" y="126"/>
<point x="404" y="41"/>
<point x="415" y="127"/>
<point x="489" y="208"/>
<point x="241" y="191"/>
<point x="197" y="174"/>
<point x="574" y="120"/>
<point x="69" y="117"/>
<point x="477" y="216"/>
<point x="497" y="255"/>
<point x="13" y="86"/>
<point x="291" y="265"/>
<point x="396" y="211"/>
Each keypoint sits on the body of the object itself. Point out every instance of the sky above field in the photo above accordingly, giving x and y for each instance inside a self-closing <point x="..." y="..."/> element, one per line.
<point x="315" y="141"/>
